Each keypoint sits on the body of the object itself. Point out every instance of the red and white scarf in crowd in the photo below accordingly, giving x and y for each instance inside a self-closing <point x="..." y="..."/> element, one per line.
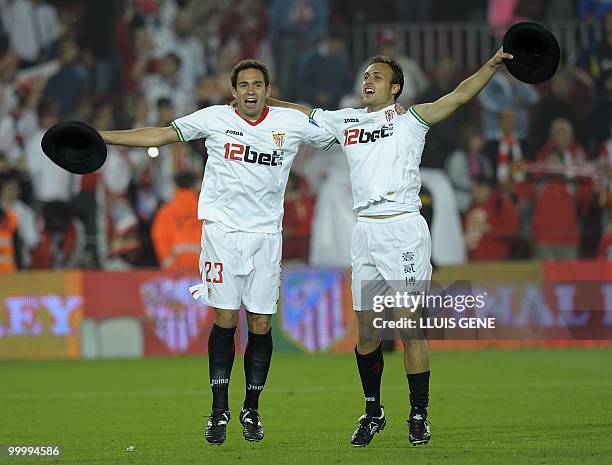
<point x="509" y="152"/>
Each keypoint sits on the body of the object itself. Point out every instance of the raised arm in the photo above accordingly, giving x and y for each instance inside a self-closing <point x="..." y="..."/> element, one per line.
<point x="141" y="137"/>
<point x="294" y="106"/>
<point x="445" y="106"/>
<point x="307" y="111"/>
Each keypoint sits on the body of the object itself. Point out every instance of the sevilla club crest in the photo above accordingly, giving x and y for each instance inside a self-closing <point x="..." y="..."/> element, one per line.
<point x="389" y="115"/>
<point x="279" y="139"/>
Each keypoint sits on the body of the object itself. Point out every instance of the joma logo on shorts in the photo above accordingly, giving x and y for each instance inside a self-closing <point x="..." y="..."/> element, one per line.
<point x="244" y="153"/>
<point x="361" y="136"/>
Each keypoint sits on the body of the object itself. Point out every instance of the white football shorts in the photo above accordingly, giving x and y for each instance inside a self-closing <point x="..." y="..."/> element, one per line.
<point x="239" y="267"/>
<point x="389" y="255"/>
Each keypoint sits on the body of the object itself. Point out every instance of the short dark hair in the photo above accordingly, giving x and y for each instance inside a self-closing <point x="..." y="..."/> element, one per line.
<point x="398" y="73"/>
<point x="173" y="56"/>
<point x="185" y="179"/>
<point x="164" y="102"/>
<point x="249" y="64"/>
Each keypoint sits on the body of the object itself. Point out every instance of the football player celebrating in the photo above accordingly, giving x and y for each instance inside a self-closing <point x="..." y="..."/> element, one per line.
<point x="391" y="244"/>
<point x="250" y="151"/>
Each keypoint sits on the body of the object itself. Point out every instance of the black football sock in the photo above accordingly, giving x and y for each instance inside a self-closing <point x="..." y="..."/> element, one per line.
<point x="419" y="391"/>
<point x="257" y="357"/>
<point x="370" y="371"/>
<point x="221" y="351"/>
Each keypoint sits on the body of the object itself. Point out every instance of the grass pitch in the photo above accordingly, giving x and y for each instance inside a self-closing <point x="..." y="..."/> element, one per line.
<point x="527" y="406"/>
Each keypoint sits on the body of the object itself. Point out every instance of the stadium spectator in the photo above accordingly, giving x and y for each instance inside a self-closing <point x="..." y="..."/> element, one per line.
<point x="247" y="24"/>
<point x="145" y="196"/>
<point x="211" y="91"/>
<point x="85" y="108"/>
<point x="155" y="176"/>
<point x="491" y="224"/>
<point x="558" y="104"/>
<point x="597" y="59"/>
<point x="415" y="81"/>
<point x="593" y="9"/>
<point x="501" y="93"/>
<point x="8" y="227"/>
<point x="33" y="27"/>
<point x="442" y="137"/>
<point x="601" y="112"/>
<point x="467" y="162"/>
<point x="297" y="221"/>
<point x="62" y="238"/>
<point x="174" y="158"/>
<point x="605" y="171"/>
<point x="501" y="14"/>
<point x="181" y="42"/>
<point x="328" y="59"/>
<point x="97" y="26"/>
<point x="49" y="181"/>
<point x="70" y="82"/>
<point x="117" y="235"/>
<point x="135" y="48"/>
<point x="167" y="84"/>
<point x="9" y="145"/>
<point x="507" y="151"/>
<point x="555" y="219"/>
<point x="27" y="232"/>
<point x="176" y="231"/>
<point x="581" y="173"/>
<point x="605" y="244"/>
<point x="9" y="61"/>
<point x="158" y="15"/>
<point x="296" y="26"/>
<point x="86" y="200"/>
<point x="561" y="139"/>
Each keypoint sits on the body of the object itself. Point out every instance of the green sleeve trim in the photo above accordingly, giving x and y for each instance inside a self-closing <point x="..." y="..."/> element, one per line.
<point x="416" y="115"/>
<point x="312" y="112"/>
<point x="330" y="145"/>
<point x="178" y="131"/>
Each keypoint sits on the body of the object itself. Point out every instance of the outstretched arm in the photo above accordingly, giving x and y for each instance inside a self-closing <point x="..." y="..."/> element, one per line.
<point x="294" y="106"/>
<point x="445" y="106"/>
<point x="141" y="137"/>
<point x="307" y="111"/>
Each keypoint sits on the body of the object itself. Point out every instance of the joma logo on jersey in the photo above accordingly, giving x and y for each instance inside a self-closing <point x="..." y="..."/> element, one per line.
<point x="245" y="153"/>
<point x="234" y="133"/>
<point x="351" y="120"/>
<point x="361" y="136"/>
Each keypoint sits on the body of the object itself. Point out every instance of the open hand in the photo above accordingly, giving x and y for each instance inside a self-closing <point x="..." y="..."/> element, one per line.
<point x="498" y="59"/>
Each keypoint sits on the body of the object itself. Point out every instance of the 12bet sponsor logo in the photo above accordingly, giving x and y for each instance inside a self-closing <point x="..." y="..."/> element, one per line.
<point x="246" y="154"/>
<point x="361" y="136"/>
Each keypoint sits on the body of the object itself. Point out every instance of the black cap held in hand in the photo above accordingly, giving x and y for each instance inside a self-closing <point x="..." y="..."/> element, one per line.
<point x="536" y="52"/>
<point x="74" y="146"/>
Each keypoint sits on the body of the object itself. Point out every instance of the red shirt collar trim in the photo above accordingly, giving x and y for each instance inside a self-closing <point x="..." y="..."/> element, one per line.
<point x="264" y="113"/>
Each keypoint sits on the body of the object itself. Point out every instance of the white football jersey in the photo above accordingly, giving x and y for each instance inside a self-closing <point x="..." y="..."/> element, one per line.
<point x="248" y="163"/>
<point x="383" y="150"/>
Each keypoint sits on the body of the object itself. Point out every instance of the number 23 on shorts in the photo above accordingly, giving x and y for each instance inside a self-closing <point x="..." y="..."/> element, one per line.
<point x="218" y="269"/>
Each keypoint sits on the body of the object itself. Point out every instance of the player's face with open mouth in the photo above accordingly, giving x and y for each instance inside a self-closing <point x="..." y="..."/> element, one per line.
<point x="251" y="93"/>
<point x="376" y="88"/>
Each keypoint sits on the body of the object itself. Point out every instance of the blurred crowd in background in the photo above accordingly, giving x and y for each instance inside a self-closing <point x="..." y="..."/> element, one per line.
<point x="530" y="166"/>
